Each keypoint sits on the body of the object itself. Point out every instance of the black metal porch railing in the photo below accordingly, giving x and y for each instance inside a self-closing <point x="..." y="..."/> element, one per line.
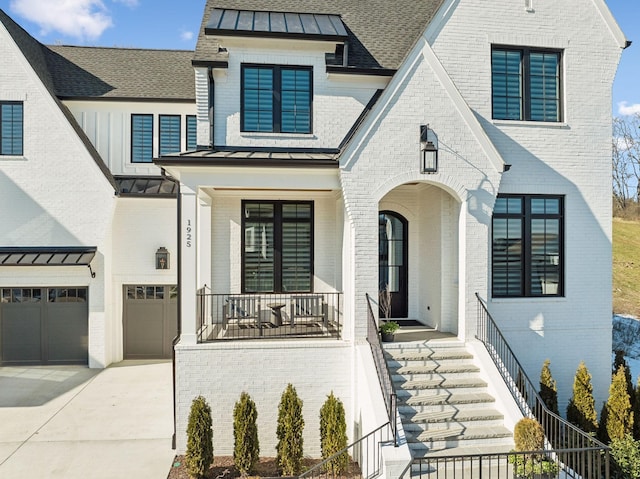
<point x="268" y="316"/>
<point x="570" y="452"/>
<point x="382" y="368"/>
<point x="579" y="453"/>
<point x="365" y="457"/>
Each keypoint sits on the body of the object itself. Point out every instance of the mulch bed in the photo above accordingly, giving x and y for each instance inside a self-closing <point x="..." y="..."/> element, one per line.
<point x="223" y="468"/>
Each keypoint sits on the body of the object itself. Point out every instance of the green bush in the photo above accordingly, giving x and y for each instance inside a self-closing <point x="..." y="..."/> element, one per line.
<point x="621" y="361"/>
<point x="199" y="455"/>
<point x="528" y="435"/>
<point x="246" y="447"/>
<point x="289" y="432"/>
<point x="636" y="412"/>
<point x="626" y="457"/>
<point x="581" y="410"/>
<point x="548" y="388"/>
<point x="333" y="434"/>
<point x="619" y="416"/>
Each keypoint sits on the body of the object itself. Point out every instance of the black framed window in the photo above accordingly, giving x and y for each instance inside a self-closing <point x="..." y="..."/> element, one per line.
<point x="528" y="246"/>
<point x="276" y="99"/>
<point x="192" y="132"/>
<point x="526" y="84"/>
<point x="11" y="128"/>
<point x="169" y="134"/>
<point x="141" y="138"/>
<point x="277" y="246"/>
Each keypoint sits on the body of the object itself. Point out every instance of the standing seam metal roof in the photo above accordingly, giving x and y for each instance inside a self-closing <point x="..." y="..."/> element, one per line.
<point x="380" y="32"/>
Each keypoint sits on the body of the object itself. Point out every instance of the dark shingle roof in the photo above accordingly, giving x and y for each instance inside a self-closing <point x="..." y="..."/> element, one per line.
<point x="130" y="73"/>
<point x="36" y="55"/>
<point x="381" y="32"/>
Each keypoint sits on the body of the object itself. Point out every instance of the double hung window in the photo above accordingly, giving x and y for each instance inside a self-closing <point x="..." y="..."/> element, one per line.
<point x="527" y="246"/>
<point x="526" y="84"/>
<point x="276" y="99"/>
<point x="277" y="245"/>
<point x="11" y="128"/>
<point x="141" y="138"/>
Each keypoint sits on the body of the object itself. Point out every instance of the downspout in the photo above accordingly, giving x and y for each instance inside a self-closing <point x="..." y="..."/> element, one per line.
<point x="179" y="315"/>
<point x="212" y="91"/>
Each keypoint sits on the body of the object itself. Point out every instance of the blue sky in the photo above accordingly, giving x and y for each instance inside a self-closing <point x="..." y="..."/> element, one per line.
<point x="174" y="24"/>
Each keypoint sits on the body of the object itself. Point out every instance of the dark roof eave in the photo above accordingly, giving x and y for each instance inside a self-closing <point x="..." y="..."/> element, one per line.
<point x="280" y="35"/>
<point x="385" y="72"/>
<point x="253" y="162"/>
<point x="210" y="63"/>
<point x="127" y="99"/>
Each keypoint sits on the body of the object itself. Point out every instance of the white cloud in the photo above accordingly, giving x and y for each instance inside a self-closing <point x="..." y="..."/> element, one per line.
<point x="625" y="109"/>
<point x="186" y="35"/>
<point x="128" y="3"/>
<point x="83" y="19"/>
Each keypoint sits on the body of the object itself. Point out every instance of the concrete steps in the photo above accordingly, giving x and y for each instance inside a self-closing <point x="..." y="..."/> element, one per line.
<point x="444" y="403"/>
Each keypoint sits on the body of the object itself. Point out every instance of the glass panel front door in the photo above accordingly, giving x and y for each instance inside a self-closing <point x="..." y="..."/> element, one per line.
<point x="392" y="257"/>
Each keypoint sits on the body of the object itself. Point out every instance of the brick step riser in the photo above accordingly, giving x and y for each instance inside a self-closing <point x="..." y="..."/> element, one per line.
<point x="419" y="427"/>
<point x="398" y="377"/>
<point x="404" y="389"/>
<point x="429" y="366"/>
<point x="421" y="448"/>
<point x="438" y="358"/>
<point x="436" y="409"/>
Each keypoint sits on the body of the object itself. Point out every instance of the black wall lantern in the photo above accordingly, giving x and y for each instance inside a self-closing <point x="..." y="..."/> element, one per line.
<point x="162" y="258"/>
<point x="428" y="152"/>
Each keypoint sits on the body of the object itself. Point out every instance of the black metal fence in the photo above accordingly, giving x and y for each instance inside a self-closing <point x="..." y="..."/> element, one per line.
<point x="384" y="375"/>
<point x="531" y="465"/>
<point x="579" y="453"/>
<point x="268" y="316"/>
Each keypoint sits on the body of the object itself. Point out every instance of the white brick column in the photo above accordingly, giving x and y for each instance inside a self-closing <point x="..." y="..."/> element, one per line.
<point x="204" y="240"/>
<point x="188" y="264"/>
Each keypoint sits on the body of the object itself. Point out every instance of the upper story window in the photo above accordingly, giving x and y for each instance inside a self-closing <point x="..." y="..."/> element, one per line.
<point x="169" y="134"/>
<point x="192" y="132"/>
<point x="11" y="128"/>
<point x="141" y="138"/>
<point x="527" y="246"/>
<point x="276" y="99"/>
<point x="526" y="84"/>
<point x="277" y="245"/>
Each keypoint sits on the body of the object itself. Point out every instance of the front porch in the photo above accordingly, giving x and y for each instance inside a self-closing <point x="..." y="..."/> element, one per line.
<point x="268" y="316"/>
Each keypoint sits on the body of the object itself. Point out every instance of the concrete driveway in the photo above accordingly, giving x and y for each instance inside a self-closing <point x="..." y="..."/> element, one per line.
<point x="73" y="422"/>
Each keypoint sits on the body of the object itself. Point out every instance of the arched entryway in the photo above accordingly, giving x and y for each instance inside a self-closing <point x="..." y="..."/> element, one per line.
<point x="393" y="264"/>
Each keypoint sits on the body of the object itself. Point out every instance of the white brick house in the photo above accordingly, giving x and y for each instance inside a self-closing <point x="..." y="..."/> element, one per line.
<point x="307" y="189"/>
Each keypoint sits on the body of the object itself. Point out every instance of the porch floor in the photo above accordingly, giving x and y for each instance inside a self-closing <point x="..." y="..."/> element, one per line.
<point x="408" y="334"/>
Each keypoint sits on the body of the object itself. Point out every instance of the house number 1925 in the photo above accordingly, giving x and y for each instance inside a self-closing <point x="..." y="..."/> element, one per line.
<point x="189" y="237"/>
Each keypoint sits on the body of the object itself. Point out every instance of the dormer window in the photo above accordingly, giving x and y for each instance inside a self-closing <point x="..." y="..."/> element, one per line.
<point x="276" y="99"/>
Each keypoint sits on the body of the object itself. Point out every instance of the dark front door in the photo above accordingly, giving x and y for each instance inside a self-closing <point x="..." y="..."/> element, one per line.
<point x="392" y="252"/>
<point x="150" y="321"/>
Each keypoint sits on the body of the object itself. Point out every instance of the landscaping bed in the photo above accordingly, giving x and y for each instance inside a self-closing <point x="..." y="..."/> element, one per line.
<point x="223" y="468"/>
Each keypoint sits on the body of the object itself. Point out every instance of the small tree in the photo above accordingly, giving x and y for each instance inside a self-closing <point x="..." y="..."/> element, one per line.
<point x="621" y="361"/>
<point x="581" y="410"/>
<point x="199" y="455"/>
<point x="626" y="457"/>
<point x="289" y="432"/>
<point x="333" y="434"/>
<point x="548" y="388"/>
<point x="246" y="448"/>
<point x="619" y="414"/>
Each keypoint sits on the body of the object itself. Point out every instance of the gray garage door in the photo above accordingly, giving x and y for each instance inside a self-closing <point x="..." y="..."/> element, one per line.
<point x="44" y="325"/>
<point x="150" y="321"/>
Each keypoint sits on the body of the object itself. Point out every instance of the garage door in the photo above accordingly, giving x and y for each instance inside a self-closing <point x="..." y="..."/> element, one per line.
<point x="44" y="325"/>
<point x="150" y="321"/>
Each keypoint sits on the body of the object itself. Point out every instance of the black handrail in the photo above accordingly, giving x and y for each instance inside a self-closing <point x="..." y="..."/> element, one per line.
<point x="365" y="452"/>
<point x="560" y="434"/>
<point x="384" y="374"/>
